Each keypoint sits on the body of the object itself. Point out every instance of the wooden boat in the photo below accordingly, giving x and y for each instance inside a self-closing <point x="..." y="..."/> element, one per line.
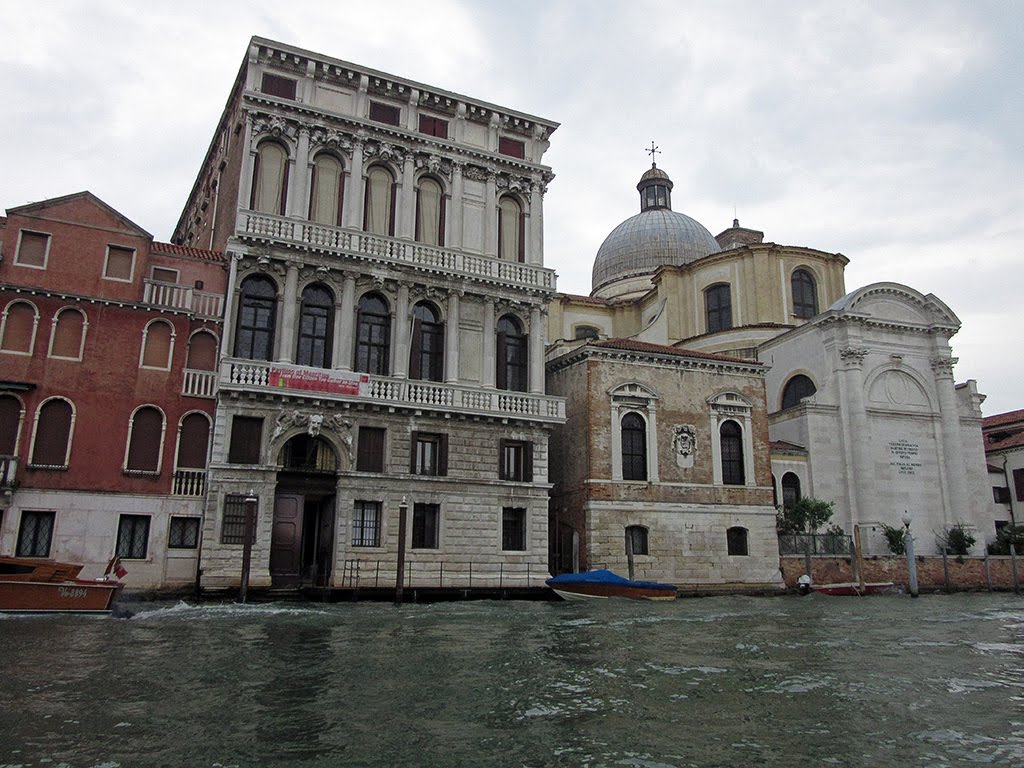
<point x="602" y="584"/>
<point x="854" y="588"/>
<point x="31" y="585"/>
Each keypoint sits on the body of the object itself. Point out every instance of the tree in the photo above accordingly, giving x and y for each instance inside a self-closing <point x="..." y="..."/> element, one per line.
<point x="896" y="538"/>
<point x="807" y="515"/>
<point x="955" y="540"/>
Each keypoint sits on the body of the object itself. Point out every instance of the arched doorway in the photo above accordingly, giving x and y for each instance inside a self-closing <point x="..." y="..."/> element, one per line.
<point x="302" y="541"/>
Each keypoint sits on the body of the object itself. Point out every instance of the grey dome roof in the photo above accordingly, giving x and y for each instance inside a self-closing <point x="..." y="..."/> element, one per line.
<point x="651" y="239"/>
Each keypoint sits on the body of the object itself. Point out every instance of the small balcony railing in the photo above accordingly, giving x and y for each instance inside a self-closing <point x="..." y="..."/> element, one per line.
<point x="189" y="482"/>
<point x="263" y="226"/>
<point x="174" y="296"/>
<point x="199" y="383"/>
<point x="427" y="395"/>
<point x="8" y="471"/>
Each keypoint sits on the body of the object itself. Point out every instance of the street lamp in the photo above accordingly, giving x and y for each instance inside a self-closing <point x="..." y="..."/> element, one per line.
<point x="403" y="511"/>
<point x="248" y="529"/>
<point x="908" y="544"/>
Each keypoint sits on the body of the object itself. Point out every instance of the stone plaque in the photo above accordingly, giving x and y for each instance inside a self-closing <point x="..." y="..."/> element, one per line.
<point x="904" y="456"/>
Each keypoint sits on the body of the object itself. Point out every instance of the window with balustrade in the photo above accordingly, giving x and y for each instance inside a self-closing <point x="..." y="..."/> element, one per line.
<point x="316" y="327"/>
<point x="426" y="357"/>
<point x="373" y="335"/>
<point x="511" y="230"/>
<point x="257" y="314"/>
<point x="379" y="197"/>
<point x="430" y="212"/>
<point x="191" y="456"/>
<point x="512" y="355"/>
<point x="270" y="178"/>
<point x="326" y="190"/>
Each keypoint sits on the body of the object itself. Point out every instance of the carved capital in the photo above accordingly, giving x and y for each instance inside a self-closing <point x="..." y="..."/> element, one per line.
<point x="853" y="357"/>
<point x="942" y="367"/>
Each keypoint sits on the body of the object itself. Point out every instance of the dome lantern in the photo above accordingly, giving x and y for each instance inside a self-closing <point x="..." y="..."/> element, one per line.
<point x="655" y="188"/>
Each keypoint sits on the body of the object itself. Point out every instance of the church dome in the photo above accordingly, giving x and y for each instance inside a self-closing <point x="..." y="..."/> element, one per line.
<point x="655" y="237"/>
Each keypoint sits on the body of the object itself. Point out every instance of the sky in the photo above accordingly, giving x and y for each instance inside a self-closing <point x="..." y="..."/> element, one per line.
<point x="887" y="131"/>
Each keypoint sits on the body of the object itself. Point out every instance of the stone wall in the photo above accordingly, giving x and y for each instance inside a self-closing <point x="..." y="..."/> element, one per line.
<point x="973" y="573"/>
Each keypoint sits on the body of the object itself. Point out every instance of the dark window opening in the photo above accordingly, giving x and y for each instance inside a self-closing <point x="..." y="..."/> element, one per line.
<point x="805" y="294"/>
<point x="796" y="389"/>
<point x="370" y="452"/>
<point x="425" y="518"/>
<point x="373" y="336"/>
<point x="736" y="540"/>
<point x="35" y="534"/>
<point x="513" y="529"/>
<point x="429" y="454"/>
<point x="246" y="440"/>
<point x="366" y="524"/>
<point x="385" y="113"/>
<point x="434" y="126"/>
<point x="511" y="355"/>
<point x="718" y="306"/>
<point x="426" y="360"/>
<point x="316" y="326"/>
<point x="275" y="85"/>
<point x="257" y="309"/>
<point x="790" y="490"/>
<point x="512" y="147"/>
<point x="732" y="453"/>
<point x="184" y="533"/>
<point x="634" y="447"/>
<point x="133" y="537"/>
<point x="232" y="529"/>
<point x="516" y="460"/>
<point x="636" y="540"/>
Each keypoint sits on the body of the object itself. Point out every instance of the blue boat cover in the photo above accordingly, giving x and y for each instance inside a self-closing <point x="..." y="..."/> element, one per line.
<point x="603" y="576"/>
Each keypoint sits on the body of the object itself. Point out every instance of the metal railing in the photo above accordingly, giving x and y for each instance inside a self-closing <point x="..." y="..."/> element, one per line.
<point x="311" y="236"/>
<point x="255" y="375"/>
<point x="381" y="574"/>
<point x="815" y="544"/>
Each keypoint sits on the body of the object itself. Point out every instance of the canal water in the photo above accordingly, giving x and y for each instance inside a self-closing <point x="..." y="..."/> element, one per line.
<point x="731" y="681"/>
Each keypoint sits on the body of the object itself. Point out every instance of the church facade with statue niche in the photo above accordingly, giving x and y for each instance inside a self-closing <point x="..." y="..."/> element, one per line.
<point x="855" y="404"/>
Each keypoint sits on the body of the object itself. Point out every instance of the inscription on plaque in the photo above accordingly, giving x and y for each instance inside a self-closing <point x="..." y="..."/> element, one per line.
<point x="904" y="457"/>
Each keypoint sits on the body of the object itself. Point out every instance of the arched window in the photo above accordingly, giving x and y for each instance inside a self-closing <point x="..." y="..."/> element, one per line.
<point x="193" y="441"/>
<point x="305" y="453"/>
<point x="18" y="328"/>
<point x="790" y="490"/>
<point x="805" y="294"/>
<point x="796" y="389"/>
<point x="636" y="540"/>
<point x="51" y="444"/>
<point x="270" y="179"/>
<point x="157" y="345"/>
<point x="373" y="335"/>
<point x="67" y="339"/>
<point x="145" y="440"/>
<point x="731" y="436"/>
<point x="257" y="310"/>
<point x="327" y="190"/>
<point x="202" y="352"/>
<point x="379" y="202"/>
<point x="427" y="356"/>
<point x="10" y="424"/>
<point x="430" y="205"/>
<point x="511" y="355"/>
<point x="634" y="447"/>
<point x="736" y="540"/>
<point x="718" y="308"/>
<point x="316" y="326"/>
<point x="511" y="230"/>
<point x="587" y="332"/>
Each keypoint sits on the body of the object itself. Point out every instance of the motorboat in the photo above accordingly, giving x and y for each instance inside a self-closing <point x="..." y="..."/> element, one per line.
<point x="34" y="585"/>
<point x="602" y="584"/>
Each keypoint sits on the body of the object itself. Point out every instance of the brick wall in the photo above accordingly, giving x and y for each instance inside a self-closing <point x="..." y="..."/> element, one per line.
<point x="974" y="573"/>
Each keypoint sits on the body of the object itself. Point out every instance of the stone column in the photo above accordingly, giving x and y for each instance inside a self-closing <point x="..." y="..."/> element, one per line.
<point x="344" y="338"/>
<point x="487" y="362"/>
<point x="491" y="216"/>
<point x="953" y="472"/>
<point x="536" y="351"/>
<point x="353" y="211"/>
<point x="856" y="435"/>
<point x="298" y="182"/>
<point x="289" y="305"/>
<point x="400" y="359"/>
<point x="535" y="250"/>
<point x="451" y="339"/>
<point x="227" y="348"/>
<point x="454" y="239"/>
<point x="405" y="227"/>
<point x="247" y="162"/>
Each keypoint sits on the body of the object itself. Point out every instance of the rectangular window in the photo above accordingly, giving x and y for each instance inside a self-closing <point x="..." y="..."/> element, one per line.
<point x="35" y="534"/>
<point x="370" y="454"/>
<point x="246" y="440"/>
<point x="120" y="264"/>
<point x="513" y="529"/>
<point x="516" y="460"/>
<point x="429" y="454"/>
<point x="232" y="529"/>
<point x="425" y="519"/>
<point x="511" y="147"/>
<point x="385" y="113"/>
<point x="165" y="275"/>
<point x="1018" y="483"/>
<point x="1001" y="494"/>
<point x="184" y="533"/>
<point x="33" y="249"/>
<point x="366" y="524"/>
<point x="275" y="85"/>
<point x="133" y="537"/>
<point x="434" y="126"/>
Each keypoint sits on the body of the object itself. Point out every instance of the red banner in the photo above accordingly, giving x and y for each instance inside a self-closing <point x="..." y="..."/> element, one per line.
<point x="334" y="382"/>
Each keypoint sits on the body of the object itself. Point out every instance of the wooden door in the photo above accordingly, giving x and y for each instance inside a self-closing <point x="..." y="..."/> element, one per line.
<point x="286" y="540"/>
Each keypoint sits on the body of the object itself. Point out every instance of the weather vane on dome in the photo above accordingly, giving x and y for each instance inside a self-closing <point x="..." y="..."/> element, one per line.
<point x="651" y="152"/>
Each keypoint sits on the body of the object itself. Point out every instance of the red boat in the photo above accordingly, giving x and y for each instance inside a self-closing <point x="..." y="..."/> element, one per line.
<point x="30" y="585"/>
<point x="853" y="588"/>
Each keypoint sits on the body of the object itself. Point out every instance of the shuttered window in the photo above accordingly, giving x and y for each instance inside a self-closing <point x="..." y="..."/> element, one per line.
<point x="511" y="147"/>
<point x="385" y="113"/>
<point x="275" y="85"/>
<point x="194" y="441"/>
<point x="10" y="424"/>
<point x="68" y="333"/>
<point x="120" y="263"/>
<point x="53" y="435"/>
<point x="33" y="249"/>
<point x="19" y="328"/>
<point x="513" y="529"/>
<point x="156" y="352"/>
<point x="370" y="453"/>
<point x="425" y="519"/>
<point x="246" y="440"/>
<point x="202" y="352"/>
<point x="1018" y="483"/>
<point x="145" y="441"/>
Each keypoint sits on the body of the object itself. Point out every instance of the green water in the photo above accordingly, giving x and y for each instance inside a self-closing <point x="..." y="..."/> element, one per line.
<point x="814" y="681"/>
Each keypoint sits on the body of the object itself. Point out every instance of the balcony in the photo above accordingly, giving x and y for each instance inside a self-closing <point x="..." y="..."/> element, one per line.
<point x="389" y="250"/>
<point x="203" y="305"/>
<point x="189" y="482"/>
<point x="278" y="378"/>
<point x="199" y="383"/>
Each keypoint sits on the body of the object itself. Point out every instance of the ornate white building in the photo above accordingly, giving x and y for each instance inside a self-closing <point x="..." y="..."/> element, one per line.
<point x="385" y="329"/>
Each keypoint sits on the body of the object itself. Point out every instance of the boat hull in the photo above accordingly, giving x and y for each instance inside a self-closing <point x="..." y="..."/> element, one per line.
<point x="63" y="597"/>
<point x="602" y="584"/>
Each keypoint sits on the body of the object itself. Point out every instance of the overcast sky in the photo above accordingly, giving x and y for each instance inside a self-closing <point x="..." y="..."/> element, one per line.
<point x="887" y="131"/>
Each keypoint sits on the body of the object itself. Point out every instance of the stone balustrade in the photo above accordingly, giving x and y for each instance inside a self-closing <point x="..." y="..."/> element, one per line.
<point x="183" y="297"/>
